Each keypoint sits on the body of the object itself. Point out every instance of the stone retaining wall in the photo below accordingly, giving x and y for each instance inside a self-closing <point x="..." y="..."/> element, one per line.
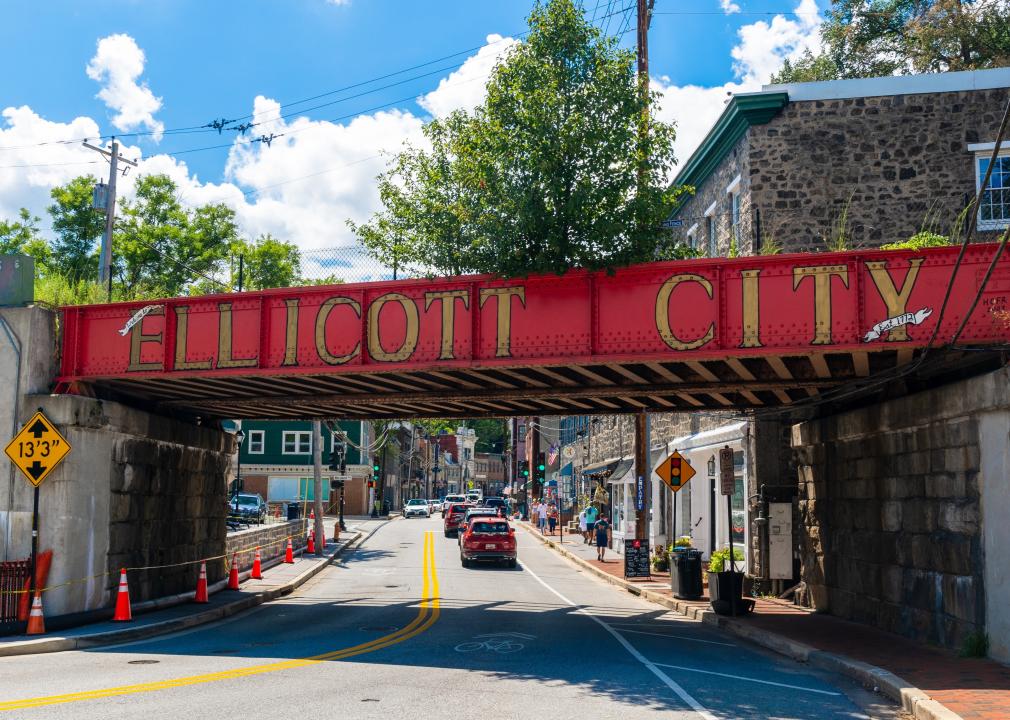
<point x="269" y="538"/>
<point x="890" y="500"/>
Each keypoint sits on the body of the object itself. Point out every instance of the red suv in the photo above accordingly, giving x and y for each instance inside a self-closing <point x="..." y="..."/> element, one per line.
<point x="488" y="538"/>
<point x="453" y="517"/>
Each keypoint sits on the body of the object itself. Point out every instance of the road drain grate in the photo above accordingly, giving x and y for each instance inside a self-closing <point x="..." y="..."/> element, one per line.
<point x="143" y="662"/>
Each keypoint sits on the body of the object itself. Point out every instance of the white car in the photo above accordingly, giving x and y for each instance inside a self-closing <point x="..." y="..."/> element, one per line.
<point x="416" y="507"/>
<point x="451" y="500"/>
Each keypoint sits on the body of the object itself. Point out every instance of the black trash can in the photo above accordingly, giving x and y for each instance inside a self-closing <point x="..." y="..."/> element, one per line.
<point x="294" y="511"/>
<point x="685" y="576"/>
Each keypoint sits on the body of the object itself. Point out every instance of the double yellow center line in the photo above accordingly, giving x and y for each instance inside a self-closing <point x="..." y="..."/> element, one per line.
<point x="426" y="617"/>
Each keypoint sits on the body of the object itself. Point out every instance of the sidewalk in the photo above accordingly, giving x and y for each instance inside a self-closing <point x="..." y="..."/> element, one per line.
<point x="929" y="682"/>
<point x="167" y="615"/>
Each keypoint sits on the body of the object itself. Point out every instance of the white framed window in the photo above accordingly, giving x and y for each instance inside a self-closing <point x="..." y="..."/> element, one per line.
<point x="710" y="228"/>
<point x="994" y="207"/>
<point x="733" y="190"/>
<point x="297" y="442"/>
<point x="692" y="237"/>
<point x="257" y="442"/>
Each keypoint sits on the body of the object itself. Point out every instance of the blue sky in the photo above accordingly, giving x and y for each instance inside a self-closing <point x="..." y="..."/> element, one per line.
<point x="182" y="63"/>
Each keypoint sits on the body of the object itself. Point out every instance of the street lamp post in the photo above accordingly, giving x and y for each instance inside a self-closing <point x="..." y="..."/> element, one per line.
<point x="240" y="436"/>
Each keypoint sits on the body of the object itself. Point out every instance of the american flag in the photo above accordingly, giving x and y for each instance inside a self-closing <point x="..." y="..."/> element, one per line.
<point x="552" y="454"/>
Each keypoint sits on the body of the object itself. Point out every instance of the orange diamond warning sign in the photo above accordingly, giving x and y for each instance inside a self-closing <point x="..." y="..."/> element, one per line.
<point x="675" y="471"/>
<point x="37" y="448"/>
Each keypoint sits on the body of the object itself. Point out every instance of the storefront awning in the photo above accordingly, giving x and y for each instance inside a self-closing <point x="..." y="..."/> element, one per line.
<point x="566" y="471"/>
<point x="624" y="468"/>
<point x="601" y="468"/>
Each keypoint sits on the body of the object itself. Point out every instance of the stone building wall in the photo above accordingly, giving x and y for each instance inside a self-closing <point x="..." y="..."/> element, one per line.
<point x="270" y="539"/>
<point x="871" y="170"/>
<point x="891" y="499"/>
<point x="886" y="163"/>
<point x="713" y="190"/>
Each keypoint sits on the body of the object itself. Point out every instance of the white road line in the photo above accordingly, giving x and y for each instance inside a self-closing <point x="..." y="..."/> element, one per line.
<point x="678" y="637"/>
<point x="748" y="679"/>
<point x="667" y="680"/>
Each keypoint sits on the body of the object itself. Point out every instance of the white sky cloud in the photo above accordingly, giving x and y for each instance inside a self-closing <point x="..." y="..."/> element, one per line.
<point x="118" y="64"/>
<point x="729" y="7"/>
<point x="466" y="88"/>
<point x="318" y="174"/>
<point x="761" y="49"/>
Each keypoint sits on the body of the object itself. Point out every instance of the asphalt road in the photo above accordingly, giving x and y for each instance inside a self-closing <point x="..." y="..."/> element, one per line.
<point x="399" y="629"/>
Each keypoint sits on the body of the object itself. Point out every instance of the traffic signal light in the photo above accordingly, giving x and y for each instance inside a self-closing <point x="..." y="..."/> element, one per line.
<point x="375" y="473"/>
<point x="338" y="460"/>
<point x="541" y="467"/>
<point x="524" y="469"/>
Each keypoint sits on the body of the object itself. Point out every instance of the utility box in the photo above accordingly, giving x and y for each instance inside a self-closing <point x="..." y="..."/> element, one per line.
<point x="780" y="541"/>
<point x="17" y="280"/>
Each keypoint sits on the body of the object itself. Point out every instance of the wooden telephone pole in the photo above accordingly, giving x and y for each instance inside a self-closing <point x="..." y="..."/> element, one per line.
<point x="105" y="257"/>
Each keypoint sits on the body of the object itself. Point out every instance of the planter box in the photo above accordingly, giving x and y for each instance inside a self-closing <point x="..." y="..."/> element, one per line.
<point x="725" y="591"/>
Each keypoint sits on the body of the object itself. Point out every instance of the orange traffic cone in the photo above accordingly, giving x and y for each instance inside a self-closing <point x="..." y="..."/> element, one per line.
<point x="201" y="585"/>
<point x="233" y="574"/>
<point x="36" y="623"/>
<point x="257" y="571"/>
<point x="312" y="514"/>
<point x="289" y="554"/>
<point x="123" y="611"/>
<point x="312" y="544"/>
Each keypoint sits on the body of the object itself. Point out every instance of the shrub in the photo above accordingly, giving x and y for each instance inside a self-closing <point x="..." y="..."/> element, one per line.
<point x="717" y="562"/>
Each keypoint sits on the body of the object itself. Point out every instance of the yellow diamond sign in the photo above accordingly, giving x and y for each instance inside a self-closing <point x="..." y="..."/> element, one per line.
<point x="675" y="471"/>
<point x="37" y="448"/>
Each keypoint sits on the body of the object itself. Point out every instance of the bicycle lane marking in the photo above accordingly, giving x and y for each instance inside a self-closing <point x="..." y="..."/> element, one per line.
<point x="666" y="679"/>
<point x="428" y="614"/>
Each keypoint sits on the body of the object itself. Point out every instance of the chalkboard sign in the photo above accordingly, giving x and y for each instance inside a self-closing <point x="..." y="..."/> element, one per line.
<point x="636" y="559"/>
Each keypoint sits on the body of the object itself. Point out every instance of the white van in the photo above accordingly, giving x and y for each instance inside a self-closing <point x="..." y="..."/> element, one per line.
<point x="451" y="499"/>
<point x="474" y="496"/>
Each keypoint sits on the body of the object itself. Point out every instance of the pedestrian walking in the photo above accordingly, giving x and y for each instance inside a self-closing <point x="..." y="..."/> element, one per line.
<point x="602" y="529"/>
<point x="552" y="518"/>
<point x="541" y="516"/>
<point x="591" y="516"/>
<point x="582" y="527"/>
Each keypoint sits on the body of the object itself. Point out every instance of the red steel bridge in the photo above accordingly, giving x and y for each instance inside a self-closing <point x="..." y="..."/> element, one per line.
<point x="754" y="332"/>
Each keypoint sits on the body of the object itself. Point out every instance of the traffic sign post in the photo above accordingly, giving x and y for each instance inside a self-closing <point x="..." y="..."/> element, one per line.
<point x="36" y="450"/>
<point x="675" y="471"/>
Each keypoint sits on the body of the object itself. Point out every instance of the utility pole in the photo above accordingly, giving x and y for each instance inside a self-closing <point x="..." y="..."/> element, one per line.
<point x="317" y="482"/>
<point x="105" y="257"/>
<point x="644" y="19"/>
<point x="534" y="456"/>
<point x="643" y="475"/>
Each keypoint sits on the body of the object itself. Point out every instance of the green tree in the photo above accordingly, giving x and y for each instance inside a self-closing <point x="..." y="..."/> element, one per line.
<point x="161" y="248"/>
<point x="542" y="177"/>
<point x="268" y="263"/>
<point x="77" y="227"/>
<point x="872" y="38"/>
<point x="22" y="237"/>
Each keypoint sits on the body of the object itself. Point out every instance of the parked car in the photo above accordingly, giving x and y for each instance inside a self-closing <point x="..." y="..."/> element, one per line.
<point x="471" y="513"/>
<point x="488" y="539"/>
<point x="433" y="505"/>
<point x="249" y="507"/>
<point x="498" y="503"/>
<point x="452" y="517"/>
<point x="416" y="507"/>
<point x="450" y="500"/>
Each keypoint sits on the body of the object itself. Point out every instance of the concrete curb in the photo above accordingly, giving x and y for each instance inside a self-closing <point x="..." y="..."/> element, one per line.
<point x="128" y="634"/>
<point x="912" y="699"/>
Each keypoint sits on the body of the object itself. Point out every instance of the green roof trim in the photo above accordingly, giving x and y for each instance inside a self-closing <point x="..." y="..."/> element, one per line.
<point x="741" y="112"/>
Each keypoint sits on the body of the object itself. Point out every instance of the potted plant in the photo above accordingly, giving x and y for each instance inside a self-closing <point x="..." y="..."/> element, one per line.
<point x="661" y="558"/>
<point x="725" y="586"/>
